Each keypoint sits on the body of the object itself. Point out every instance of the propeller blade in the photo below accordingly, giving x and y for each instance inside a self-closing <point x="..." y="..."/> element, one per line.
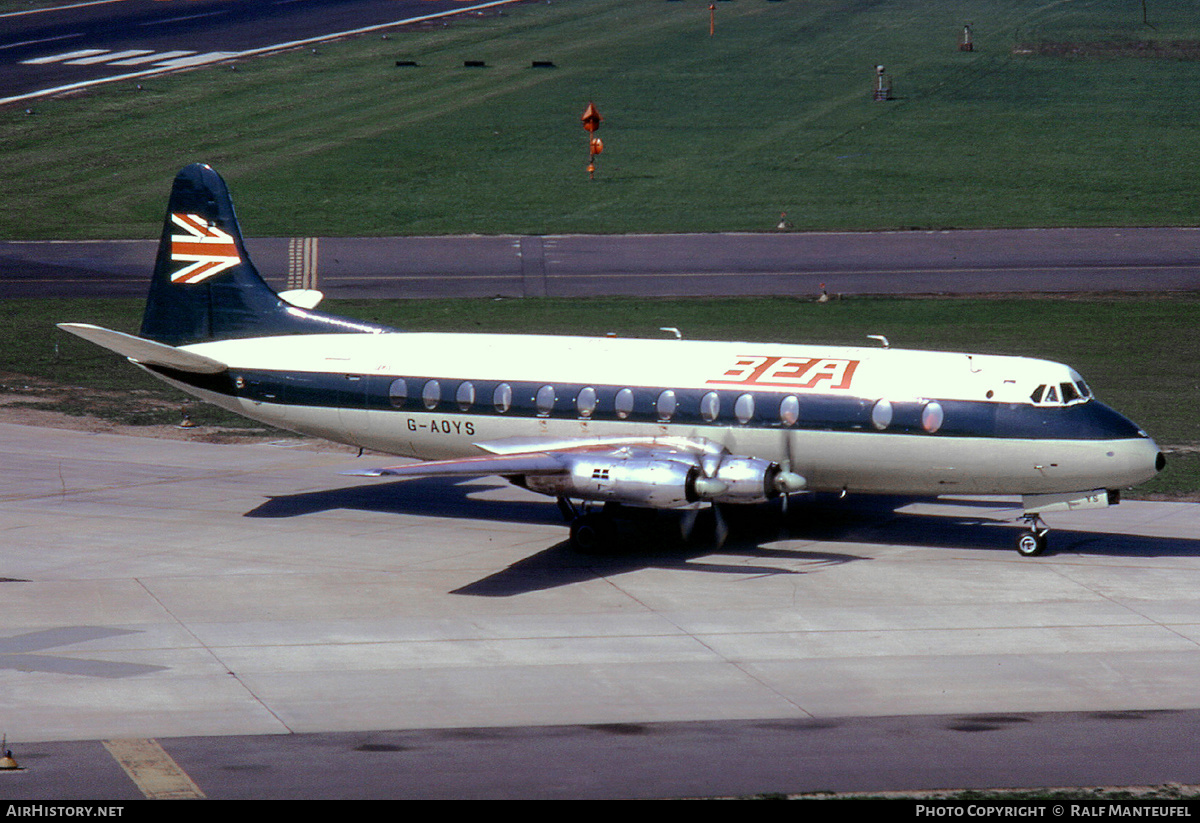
<point x="687" y="521"/>
<point x="710" y="462"/>
<point x="720" y="527"/>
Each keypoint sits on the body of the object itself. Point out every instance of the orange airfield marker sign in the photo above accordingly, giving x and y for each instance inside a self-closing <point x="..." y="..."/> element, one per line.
<point x="591" y="121"/>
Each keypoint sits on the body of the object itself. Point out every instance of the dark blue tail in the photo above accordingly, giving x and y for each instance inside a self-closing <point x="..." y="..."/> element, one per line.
<point x="205" y="287"/>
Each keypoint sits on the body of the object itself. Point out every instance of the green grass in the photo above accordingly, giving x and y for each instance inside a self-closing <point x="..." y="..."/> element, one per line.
<point x="702" y="133"/>
<point x="1154" y="382"/>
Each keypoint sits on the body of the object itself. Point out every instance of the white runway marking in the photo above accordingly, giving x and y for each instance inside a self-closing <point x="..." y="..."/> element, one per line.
<point x="161" y="61"/>
<point x="58" y="58"/>
<point x="106" y="57"/>
<point x="153" y="57"/>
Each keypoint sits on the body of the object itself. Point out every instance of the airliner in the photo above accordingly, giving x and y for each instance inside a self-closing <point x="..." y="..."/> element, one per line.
<point x="607" y="424"/>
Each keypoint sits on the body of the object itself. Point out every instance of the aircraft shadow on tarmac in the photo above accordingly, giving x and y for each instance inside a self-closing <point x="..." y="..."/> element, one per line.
<point x="758" y="533"/>
<point x="30" y="652"/>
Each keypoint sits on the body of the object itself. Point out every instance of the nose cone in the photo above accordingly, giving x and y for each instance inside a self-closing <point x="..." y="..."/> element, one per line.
<point x="1140" y="460"/>
<point x="1136" y="457"/>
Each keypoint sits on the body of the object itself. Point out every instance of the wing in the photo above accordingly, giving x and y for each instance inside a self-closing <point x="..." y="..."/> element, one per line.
<point x="668" y="473"/>
<point x="543" y="456"/>
<point x="530" y="463"/>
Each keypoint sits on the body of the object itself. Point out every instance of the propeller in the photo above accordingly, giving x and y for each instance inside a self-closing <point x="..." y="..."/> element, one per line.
<point x="787" y="482"/>
<point x="708" y="487"/>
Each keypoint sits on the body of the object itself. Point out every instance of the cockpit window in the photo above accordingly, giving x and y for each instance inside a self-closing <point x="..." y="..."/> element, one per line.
<point x="1062" y="394"/>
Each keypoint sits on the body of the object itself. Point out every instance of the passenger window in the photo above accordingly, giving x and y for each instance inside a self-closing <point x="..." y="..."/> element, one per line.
<point x="502" y="398"/>
<point x="932" y="416"/>
<point x="743" y="409"/>
<point x="432" y="394"/>
<point x="465" y="396"/>
<point x="710" y="406"/>
<point x="585" y="403"/>
<point x="665" y="406"/>
<point x="545" y="400"/>
<point x="881" y="414"/>
<point x="624" y="403"/>
<point x="789" y="410"/>
<point x="398" y="393"/>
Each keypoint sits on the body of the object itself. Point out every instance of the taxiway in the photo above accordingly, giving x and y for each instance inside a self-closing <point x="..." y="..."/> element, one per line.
<point x="238" y="605"/>
<point x="1062" y="261"/>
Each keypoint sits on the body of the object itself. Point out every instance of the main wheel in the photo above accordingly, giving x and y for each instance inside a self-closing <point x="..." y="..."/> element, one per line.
<point x="591" y="534"/>
<point x="1031" y="543"/>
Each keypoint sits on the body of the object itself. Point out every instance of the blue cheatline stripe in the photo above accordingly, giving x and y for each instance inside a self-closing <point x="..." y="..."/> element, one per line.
<point x="960" y="418"/>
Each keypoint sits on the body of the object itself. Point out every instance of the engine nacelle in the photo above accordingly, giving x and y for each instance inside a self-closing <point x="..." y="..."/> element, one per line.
<point x="667" y="481"/>
<point x="655" y="482"/>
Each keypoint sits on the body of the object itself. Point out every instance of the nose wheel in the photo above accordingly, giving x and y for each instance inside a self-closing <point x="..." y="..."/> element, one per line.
<point x="1033" y="542"/>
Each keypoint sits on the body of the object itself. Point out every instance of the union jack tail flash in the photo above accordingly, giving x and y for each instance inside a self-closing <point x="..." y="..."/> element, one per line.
<point x="206" y="249"/>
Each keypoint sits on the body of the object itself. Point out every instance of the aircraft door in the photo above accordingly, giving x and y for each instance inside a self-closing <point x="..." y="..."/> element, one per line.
<point x="354" y="391"/>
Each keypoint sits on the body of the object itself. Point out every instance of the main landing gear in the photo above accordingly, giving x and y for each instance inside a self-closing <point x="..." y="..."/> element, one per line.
<point x="1033" y="542"/>
<point x="614" y="529"/>
<point x="592" y="532"/>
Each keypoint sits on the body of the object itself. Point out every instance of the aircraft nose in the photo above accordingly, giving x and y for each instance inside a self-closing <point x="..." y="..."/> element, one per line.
<point x="1141" y="460"/>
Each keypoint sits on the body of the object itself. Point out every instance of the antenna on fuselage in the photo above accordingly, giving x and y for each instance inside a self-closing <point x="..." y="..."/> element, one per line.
<point x="881" y="339"/>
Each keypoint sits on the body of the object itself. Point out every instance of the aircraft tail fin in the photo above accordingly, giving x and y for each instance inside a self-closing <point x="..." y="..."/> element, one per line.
<point x="205" y="287"/>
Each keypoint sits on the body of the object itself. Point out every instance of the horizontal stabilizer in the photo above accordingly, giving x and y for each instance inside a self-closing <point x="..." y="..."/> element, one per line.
<point x="303" y="298"/>
<point x="145" y="351"/>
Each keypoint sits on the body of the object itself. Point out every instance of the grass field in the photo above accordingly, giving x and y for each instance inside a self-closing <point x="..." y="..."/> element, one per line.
<point x="772" y="114"/>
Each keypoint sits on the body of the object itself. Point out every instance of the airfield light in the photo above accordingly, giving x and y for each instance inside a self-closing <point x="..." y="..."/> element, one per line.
<point x="883" y="84"/>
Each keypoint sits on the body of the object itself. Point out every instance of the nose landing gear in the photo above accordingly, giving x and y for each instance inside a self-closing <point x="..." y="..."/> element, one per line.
<point x="1033" y="542"/>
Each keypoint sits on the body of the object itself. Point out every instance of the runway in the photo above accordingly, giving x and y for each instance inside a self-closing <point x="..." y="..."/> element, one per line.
<point x="1063" y="261"/>
<point x="248" y="611"/>
<point x="75" y="46"/>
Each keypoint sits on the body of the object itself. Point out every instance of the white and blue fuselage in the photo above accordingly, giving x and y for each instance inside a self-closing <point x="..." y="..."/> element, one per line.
<point x="856" y="419"/>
